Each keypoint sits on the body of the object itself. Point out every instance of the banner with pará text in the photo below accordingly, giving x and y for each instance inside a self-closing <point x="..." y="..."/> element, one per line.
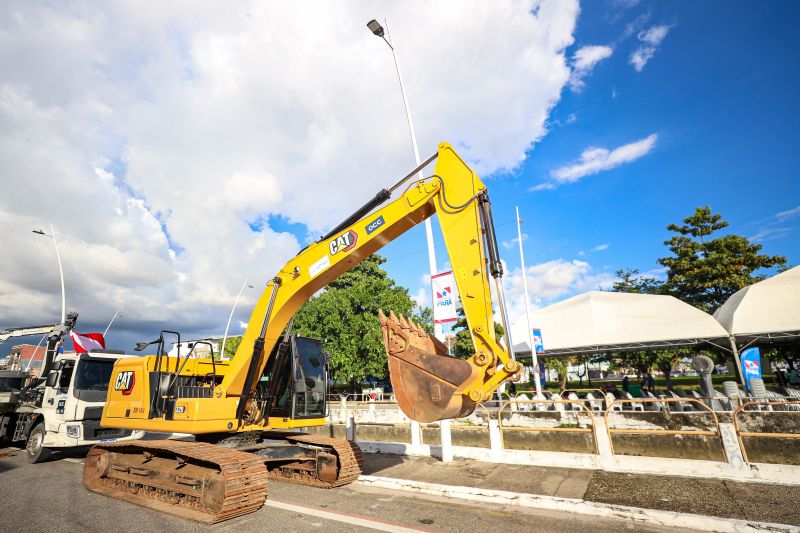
<point x="445" y="297"/>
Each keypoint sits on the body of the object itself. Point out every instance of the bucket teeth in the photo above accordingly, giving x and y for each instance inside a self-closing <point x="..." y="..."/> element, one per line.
<point x="399" y="333"/>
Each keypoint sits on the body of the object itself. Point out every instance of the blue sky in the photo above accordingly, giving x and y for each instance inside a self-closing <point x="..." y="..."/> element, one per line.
<point x="720" y="94"/>
<point x="167" y="190"/>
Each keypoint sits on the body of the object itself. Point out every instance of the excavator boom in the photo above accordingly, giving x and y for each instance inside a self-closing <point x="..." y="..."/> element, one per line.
<point x="429" y="384"/>
<point x="243" y="412"/>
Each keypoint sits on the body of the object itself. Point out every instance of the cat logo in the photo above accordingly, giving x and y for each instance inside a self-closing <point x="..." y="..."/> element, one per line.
<point x="344" y="243"/>
<point x="125" y="382"/>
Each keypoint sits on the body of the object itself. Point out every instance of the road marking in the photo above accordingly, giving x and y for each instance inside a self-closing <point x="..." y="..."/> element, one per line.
<point x="372" y="523"/>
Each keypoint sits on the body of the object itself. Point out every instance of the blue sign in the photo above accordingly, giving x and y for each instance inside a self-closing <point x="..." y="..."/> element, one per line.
<point x="542" y="376"/>
<point x="375" y="224"/>
<point x="751" y="365"/>
<point x="538" y="342"/>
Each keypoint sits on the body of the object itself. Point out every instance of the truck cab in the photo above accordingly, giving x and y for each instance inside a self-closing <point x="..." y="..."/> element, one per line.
<point x="65" y="410"/>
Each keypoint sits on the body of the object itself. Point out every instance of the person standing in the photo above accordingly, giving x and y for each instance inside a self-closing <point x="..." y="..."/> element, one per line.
<point x="650" y="383"/>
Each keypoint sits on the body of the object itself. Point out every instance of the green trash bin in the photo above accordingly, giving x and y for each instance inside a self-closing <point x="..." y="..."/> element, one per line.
<point x="635" y="390"/>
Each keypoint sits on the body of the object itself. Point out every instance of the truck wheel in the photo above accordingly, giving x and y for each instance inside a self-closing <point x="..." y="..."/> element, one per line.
<point x="35" y="449"/>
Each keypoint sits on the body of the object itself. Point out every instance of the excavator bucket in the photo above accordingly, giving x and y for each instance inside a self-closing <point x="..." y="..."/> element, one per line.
<point x="427" y="382"/>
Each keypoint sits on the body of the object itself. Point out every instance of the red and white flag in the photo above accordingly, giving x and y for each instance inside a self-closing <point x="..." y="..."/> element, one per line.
<point x="85" y="342"/>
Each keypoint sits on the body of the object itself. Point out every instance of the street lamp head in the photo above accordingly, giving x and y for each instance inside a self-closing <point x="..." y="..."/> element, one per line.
<point x="375" y="27"/>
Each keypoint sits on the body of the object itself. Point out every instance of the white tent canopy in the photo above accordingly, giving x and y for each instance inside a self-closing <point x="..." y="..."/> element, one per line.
<point x="769" y="308"/>
<point x="611" y="321"/>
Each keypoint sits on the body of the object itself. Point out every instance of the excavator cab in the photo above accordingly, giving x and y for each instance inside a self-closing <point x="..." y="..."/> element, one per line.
<point x="294" y="383"/>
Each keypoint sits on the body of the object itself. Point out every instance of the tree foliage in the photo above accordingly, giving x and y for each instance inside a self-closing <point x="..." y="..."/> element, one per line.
<point x="424" y="317"/>
<point x="231" y="345"/>
<point x="346" y="315"/>
<point x="705" y="270"/>
<point x="560" y="365"/>
<point x="464" y="347"/>
<point x="630" y="280"/>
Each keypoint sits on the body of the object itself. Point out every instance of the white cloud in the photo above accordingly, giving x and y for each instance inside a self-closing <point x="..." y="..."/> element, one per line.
<point x="594" y="160"/>
<point x="551" y="281"/>
<point x="650" y="41"/>
<point x="624" y="4"/>
<point x="598" y="248"/>
<point x="790" y="213"/>
<point x="770" y="233"/>
<point x="151" y="135"/>
<point x="584" y="61"/>
<point x="422" y="298"/>
<point x="514" y="242"/>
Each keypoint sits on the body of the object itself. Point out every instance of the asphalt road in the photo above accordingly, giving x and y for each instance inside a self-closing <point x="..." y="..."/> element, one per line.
<point x="51" y="497"/>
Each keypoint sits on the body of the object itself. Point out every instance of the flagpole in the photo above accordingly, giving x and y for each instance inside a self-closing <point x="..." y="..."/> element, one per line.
<point x="34" y="353"/>
<point x="534" y="358"/>
<point x="112" y="321"/>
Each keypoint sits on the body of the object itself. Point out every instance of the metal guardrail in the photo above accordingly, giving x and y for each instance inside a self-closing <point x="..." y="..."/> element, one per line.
<point x="579" y="402"/>
<point x="665" y="401"/>
<point x="740" y="433"/>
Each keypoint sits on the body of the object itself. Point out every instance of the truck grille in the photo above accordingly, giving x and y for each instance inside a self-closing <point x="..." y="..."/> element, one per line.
<point x="108" y="433"/>
<point x="92" y="413"/>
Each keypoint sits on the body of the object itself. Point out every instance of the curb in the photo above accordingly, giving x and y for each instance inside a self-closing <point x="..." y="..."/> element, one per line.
<point x="573" y="505"/>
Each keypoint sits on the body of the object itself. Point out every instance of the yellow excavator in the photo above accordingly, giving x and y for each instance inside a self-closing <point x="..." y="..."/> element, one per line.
<point x="245" y="412"/>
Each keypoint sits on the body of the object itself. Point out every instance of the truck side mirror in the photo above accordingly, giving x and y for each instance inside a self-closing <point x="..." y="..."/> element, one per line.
<point x="52" y="379"/>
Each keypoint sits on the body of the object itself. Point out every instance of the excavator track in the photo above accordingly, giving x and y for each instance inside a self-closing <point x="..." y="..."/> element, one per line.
<point x="193" y="480"/>
<point x="349" y="457"/>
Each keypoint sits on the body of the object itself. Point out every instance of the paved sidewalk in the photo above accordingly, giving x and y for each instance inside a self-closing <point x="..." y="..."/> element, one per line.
<point x="760" y="502"/>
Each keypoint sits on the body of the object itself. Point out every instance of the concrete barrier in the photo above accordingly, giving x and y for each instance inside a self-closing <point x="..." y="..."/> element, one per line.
<point x="655" y="442"/>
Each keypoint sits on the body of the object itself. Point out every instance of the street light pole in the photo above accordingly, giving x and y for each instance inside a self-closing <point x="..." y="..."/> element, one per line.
<point x="378" y="30"/>
<point x="60" y="271"/>
<point x="230" y="317"/>
<point x="534" y="358"/>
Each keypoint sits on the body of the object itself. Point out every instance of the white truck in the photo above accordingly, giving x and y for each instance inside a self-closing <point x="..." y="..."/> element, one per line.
<point x="63" y="409"/>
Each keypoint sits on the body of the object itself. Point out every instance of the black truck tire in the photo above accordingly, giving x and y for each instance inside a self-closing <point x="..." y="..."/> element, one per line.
<point x="34" y="447"/>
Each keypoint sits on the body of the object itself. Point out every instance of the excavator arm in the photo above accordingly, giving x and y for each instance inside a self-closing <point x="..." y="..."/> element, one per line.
<point x="428" y="384"/>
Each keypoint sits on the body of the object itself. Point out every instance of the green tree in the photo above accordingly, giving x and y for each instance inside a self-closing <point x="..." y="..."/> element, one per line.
<point x="705" y="270"/>
<point x="560" y="365"/>
<point x="346" y="315"/>
<point x="790" y="353"/>
<point x="464" y="348"/>
<point x="630" y="280"/>
<point x="424" y="317"/>
<point x="231" y="345"/>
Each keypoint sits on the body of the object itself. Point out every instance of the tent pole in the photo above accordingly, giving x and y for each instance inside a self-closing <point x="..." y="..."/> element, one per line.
<point x="736" y="358"/>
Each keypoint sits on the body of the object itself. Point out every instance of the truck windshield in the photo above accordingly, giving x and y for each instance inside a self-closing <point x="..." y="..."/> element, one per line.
<point x="94" y="374"/>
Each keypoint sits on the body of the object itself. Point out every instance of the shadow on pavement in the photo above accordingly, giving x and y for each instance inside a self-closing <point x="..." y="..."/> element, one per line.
<point x="375" y="463"/>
